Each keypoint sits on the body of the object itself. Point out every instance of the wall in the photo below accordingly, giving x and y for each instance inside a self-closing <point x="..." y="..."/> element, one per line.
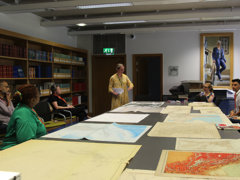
<point x="85" y="42"/>
<point x="29" y="24"/>
<point x="179" y="48"/>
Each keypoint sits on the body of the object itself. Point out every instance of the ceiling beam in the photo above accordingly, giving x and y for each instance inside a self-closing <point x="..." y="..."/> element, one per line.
<point x="35" y="7"/>
<point x="204" y="27"/>
<point x="223" y="14"/>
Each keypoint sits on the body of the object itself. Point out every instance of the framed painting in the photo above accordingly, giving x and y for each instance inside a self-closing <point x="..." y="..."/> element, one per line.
<point x="217" y="59"/>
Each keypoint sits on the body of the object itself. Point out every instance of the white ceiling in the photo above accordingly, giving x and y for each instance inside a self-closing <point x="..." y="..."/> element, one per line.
<point x="154" y="14"/>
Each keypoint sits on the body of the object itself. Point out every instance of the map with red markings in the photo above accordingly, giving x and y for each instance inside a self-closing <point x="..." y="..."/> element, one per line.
<point x="203" y="163"/>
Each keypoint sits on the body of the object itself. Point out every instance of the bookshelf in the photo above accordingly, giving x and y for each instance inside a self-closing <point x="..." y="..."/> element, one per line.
<point x="29" y="60"/>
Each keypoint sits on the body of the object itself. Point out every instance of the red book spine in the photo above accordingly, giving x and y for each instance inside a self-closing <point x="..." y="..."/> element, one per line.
<point x="1" y="71"/>
<point x="4" y="75"/>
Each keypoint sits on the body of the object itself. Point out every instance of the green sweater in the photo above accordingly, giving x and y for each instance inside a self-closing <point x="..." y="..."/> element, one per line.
<point x="23" y="125"/>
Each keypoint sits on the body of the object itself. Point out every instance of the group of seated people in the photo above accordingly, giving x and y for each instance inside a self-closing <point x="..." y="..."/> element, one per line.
<point x="22" y="123"/>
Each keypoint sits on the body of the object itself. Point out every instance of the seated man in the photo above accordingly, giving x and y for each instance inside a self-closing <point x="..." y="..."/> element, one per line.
<point x="236" y="111"/>
<point x="58" y="103"/>
<point x="6" y="106"/>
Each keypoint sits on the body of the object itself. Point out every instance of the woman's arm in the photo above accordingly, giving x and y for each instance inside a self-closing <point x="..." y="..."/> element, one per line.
<point x="110" y="86"/>
<point x="56" y="106"/>
<point x="210" y="99"/>
<point x="129" y="84"/>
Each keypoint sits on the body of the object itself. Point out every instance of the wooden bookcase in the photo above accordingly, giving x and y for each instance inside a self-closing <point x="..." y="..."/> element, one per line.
<point x="29" y="60"/>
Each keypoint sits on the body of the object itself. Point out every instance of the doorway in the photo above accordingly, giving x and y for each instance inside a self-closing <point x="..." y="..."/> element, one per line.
<point x="147" y="77"/>
<point x="103" y="67"/>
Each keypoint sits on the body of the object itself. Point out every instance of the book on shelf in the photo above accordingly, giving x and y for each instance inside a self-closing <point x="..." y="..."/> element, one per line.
<point x="38" y="55"/>
<point x="12" y="51"/>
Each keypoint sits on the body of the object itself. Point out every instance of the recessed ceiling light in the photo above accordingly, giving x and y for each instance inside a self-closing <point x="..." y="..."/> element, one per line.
<point x="124" y="22"/>
<point x="81" y="24"/>
<point x="104" y="5"/>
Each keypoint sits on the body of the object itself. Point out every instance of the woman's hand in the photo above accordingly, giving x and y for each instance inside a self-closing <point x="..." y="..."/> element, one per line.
<point x="114" y="93"/>
<point x="70" y="106"/>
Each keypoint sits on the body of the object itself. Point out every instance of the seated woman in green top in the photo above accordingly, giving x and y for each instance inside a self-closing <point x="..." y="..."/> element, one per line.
<point x="24" y="123"/>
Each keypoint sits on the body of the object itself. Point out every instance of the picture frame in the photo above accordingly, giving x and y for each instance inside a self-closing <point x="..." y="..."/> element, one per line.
<point x="218" y="72"/>
<point x="173" y="70"/>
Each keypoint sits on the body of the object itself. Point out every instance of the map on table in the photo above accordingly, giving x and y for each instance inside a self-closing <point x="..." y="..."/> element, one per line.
<point x="101" y="132"/>
<point x="177" y="109"/>
<point x="211" y="164"/>
<point x="184" y="130"/>
<point x="209" y="145"/>
<point x="141" y="106"/>
<point x="118" y="117"/>
<point x="196" y="117"/>
<point x="201" y="104"/>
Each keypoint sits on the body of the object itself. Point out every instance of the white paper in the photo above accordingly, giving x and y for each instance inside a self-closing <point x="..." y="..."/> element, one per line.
<point x="219" y="145"/>
<point x="141" y="106"/>
<point x="117" y="117"/>
<point x="101" y="132"/>
<point x="118" y="90"/>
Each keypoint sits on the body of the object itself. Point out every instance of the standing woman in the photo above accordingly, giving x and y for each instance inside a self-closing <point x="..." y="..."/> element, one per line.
<point x="119" y="81"/>
<point x="24" y="123"/>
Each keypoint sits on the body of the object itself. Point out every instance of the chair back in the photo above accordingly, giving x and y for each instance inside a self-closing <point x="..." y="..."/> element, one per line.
<point x="43" y="110"/>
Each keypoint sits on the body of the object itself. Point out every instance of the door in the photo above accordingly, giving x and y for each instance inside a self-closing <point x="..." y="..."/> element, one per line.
<point x="103" y="67"/>
<point x="148" y="77"/>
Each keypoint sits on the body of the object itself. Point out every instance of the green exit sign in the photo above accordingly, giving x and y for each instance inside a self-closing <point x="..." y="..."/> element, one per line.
<point x="108" y="51"/>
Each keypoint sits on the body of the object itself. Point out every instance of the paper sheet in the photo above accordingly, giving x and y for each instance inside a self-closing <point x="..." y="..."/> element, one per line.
<point x="196" y="117"/>
<point x="141" y="106"/>
<point x="138" y="174"/>
<point x="218" y="145"/>
<point x="208" y="165"/>
<point x="101" y="132"/>
<point x="118" y="90"/>
<point x="201" y="104"/>
<point x="188" y="130"/>
<point x="177" y="109"/>
<point x="117" y="117"/>
<point x="65" y="160"/>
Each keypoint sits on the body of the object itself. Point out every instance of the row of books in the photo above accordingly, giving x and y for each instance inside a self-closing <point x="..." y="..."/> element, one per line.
<point x="65" y="87"/>
<point x="77" y="60"/>
<point x="78" y="74"/>
<point x="40" y="72"/>
<point x="57" y="57"/>
<point x="79" y="86"/>
<point x="76" y="100"/>
<point x="13" y="51"/>
<point x="10" y="71"/>
<point x="62" y="73"/>
<point x="39" y="55"/>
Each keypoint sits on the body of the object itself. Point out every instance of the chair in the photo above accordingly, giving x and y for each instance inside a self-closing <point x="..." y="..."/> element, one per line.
<point x="45" y="111"/>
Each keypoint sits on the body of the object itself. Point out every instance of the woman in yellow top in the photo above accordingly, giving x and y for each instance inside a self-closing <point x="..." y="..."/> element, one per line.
<point x="119" y="82"/>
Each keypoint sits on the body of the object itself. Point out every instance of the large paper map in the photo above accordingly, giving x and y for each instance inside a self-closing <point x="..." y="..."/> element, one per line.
<point x="101" y="132"/>
<point x="199" y="163"/>
<point x="141" y="106"/>
<point x="196" y="117"/>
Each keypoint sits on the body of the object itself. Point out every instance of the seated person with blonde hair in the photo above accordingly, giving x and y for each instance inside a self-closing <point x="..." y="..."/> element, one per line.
<point x="207" y="95"/>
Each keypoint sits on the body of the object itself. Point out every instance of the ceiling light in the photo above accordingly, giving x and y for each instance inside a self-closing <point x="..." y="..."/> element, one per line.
<point x="104" y="5"/>
<point x="81" y="24"/>
<point x="124" y="22"/>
